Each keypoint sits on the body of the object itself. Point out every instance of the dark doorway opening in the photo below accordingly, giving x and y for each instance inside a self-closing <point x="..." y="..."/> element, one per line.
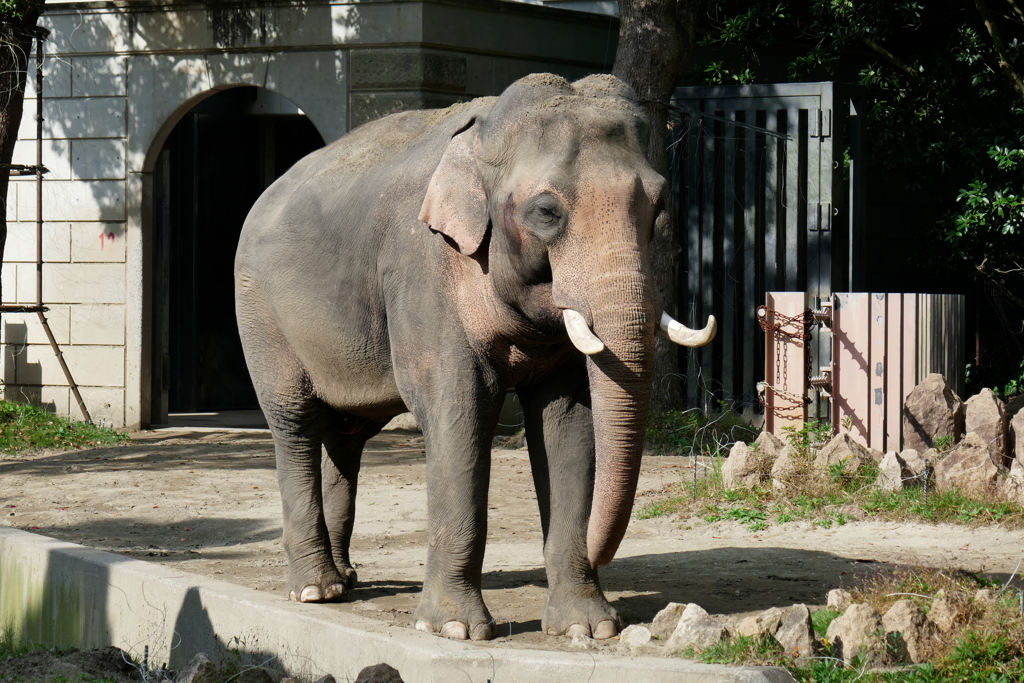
<point x="214" y="165"/>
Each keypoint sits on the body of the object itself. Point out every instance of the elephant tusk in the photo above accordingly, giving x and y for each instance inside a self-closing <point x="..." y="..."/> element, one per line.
<point x="580" y="334"/>
<point x="683" y="335"/>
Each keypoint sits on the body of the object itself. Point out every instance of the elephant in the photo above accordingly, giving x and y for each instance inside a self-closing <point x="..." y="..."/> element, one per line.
<point x="430" y="261"/>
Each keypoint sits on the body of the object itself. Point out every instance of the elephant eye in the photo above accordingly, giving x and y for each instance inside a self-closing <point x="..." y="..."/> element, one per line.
<point x="545" y="214"/>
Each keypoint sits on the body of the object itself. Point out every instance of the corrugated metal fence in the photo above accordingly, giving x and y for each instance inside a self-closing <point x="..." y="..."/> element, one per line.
<point x="766" y="200"/>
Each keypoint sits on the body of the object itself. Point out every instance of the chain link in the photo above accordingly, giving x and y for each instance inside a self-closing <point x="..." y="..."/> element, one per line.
<point x="801" y="325"/>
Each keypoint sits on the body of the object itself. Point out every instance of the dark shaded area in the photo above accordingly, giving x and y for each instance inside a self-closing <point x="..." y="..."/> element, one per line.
<point x="213" y="167"/>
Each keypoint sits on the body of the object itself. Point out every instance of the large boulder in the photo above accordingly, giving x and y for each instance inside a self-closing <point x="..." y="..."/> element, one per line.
<point x="764" y="623"/>
<point x="845" y="450"/>
<point x="858" y="634"/>
<point x="968" y="468"/>
<point x="768" y="447"/>
<point x="893" y="472"/>
<point x="696" y="628"/>
<point x="789" y="469"/>
<point x="1013" y="483"/>
<point x="665" y="621"/>
<point x="916" y="463"/>
<point x="915" y="631"/>
<point x="985" y="415"/>
<point x="743" y="468"/>
<point x="932" y="410"/>
<point x="1017" y="437"/>
<point x="796" y="633"/>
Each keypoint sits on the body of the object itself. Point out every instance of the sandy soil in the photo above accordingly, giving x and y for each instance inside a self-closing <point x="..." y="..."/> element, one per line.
<point x="208" y="503"/>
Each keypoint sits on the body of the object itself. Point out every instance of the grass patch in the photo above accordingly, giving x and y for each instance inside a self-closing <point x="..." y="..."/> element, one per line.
<point x="826" y="499"/>
<point x="688" y="432"/>
<point x="26" y="427"/>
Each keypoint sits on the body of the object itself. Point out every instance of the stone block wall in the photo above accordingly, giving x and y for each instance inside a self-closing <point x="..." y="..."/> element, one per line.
<point x="120" y="75"/>
<point x="84" y="246"/>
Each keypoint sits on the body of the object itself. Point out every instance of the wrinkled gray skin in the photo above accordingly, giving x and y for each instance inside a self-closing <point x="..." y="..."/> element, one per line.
<point x="424" y="261"/>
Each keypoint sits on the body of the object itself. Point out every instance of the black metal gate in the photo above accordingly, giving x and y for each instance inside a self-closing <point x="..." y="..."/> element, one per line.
<point x="767" y="180"/>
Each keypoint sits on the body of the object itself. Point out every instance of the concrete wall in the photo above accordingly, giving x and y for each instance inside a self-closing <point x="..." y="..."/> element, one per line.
<point x="119" y="76"/>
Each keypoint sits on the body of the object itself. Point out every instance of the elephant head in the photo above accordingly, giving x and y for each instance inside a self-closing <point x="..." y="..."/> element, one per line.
<point x="552" y="190"/>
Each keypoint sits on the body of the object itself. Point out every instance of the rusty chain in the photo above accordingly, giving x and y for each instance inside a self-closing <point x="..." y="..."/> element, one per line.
<point x="801" y="325"/>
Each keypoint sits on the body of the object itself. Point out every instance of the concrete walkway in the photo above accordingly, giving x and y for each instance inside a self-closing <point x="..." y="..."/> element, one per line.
<point x="58" y="593"/>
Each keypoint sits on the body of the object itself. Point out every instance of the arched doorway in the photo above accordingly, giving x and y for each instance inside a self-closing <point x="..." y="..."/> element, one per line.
<point x="213" y="166"/>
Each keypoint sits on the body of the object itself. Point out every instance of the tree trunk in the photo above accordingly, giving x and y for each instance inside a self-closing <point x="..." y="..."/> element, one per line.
<point x="655" y="41"/>
<point x="16" y="40"/>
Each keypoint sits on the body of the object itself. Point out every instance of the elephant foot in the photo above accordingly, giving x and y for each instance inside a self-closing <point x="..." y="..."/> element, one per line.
<point x="471" y="624"/>
<point x="330" y="587"/>
<point x="590" y="616"/>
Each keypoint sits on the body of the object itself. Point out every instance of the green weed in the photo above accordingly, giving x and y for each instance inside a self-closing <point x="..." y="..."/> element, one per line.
<point x="25" y="427"/>
<point x="685" y="432"/>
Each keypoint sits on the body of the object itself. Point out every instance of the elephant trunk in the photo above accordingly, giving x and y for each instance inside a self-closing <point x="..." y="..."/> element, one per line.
<point x="620" y="389"/>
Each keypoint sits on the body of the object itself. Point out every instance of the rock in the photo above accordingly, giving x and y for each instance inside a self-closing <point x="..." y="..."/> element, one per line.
<point x="986" y="596"/>
<point x="665" y="621"/>
<point x="857" y="634"/>
<point x="199" y="670"/>
<point x="636" y="636"/>
<point x="931" y="455"/>
<point x="949" y="610"/>
<point x="1012" y="486"/>
<point x="916" y="463"/>
<point x="582" y="641"/>
<point x="379" y="673"/>
<point x="893" y="472"/>
<point x="1017" y="436"/>
<point x="914" y="629"/>
<point x="789" y="467"/>
<point x="762" y="624"/>
<point x="838" y="600"/>
<point x="842" y="449"/>
<point x="768" y="447"/>
<point x="796" y="633"/>
<point x="327" y="678"/>
<point x="968" y="468"/>
<point x="743" y="468"/>
<point x="985" y="415"/>
<point x="932" y="410"/>
<point x="875" y="454"/>
<point x="696" y="628"/>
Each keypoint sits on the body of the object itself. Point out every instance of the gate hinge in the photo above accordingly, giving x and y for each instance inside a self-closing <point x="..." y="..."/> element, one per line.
<point x="820" y="123"/>
<point x="819" y="217"/>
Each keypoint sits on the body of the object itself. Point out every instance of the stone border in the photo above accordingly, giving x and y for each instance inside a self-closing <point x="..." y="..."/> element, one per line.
<point x="59" y="593"/>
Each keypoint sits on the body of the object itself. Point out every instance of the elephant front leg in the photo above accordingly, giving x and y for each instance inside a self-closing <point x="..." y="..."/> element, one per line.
<point x="458" y="470"/>
<point x="559" y="433"/>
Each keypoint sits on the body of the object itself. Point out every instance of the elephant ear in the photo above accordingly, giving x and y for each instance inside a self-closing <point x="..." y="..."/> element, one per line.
<point x="456" y="201"/>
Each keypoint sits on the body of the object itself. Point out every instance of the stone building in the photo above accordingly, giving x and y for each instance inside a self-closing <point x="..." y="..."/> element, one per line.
<point x="163" y="123"/>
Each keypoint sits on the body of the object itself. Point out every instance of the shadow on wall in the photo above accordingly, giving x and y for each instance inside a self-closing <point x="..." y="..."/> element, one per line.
<point x="23" y="379"/>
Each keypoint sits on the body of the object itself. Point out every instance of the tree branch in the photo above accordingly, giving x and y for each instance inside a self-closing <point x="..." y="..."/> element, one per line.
<point x="896" y="61"/>
<point x="1000" y="48"/>
<point x="1016" y="10"/>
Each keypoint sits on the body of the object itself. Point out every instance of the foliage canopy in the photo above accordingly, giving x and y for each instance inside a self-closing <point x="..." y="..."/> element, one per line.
<point x="947" y="112"/>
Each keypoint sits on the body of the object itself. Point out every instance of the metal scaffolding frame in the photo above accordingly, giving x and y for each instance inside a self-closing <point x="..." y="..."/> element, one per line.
<point x="38" y="170"/>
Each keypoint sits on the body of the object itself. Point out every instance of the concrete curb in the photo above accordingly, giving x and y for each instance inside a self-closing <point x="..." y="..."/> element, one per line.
<point x="59" y="593"/>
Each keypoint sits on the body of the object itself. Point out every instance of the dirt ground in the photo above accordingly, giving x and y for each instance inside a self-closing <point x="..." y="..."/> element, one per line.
<point x="208" y="503"/>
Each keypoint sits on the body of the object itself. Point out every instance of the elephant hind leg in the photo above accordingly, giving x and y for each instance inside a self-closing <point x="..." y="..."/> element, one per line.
<point x="297" y="421"/>
<point x="344" y="440"/>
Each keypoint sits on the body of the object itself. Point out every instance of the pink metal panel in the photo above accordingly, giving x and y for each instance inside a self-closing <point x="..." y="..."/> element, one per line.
<point x="876" y="371"/>
<point x="785" y="367"/>
<point x="894" y="373"/>
<point x="850" y="335"/>
<point x="909" y="352"/>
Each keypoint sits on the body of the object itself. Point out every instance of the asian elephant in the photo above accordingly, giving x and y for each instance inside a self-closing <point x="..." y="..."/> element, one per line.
<point x="429" y="261"/>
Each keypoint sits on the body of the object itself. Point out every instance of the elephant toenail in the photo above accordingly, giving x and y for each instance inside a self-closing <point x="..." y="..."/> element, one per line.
<point x="455" y="630"/>
<point x="335" y="591"/>
<point x="577" y="629"/>
<point x="606" y="629"/>
<point x="422" y="626"/>
<point x="310" y="594"/>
